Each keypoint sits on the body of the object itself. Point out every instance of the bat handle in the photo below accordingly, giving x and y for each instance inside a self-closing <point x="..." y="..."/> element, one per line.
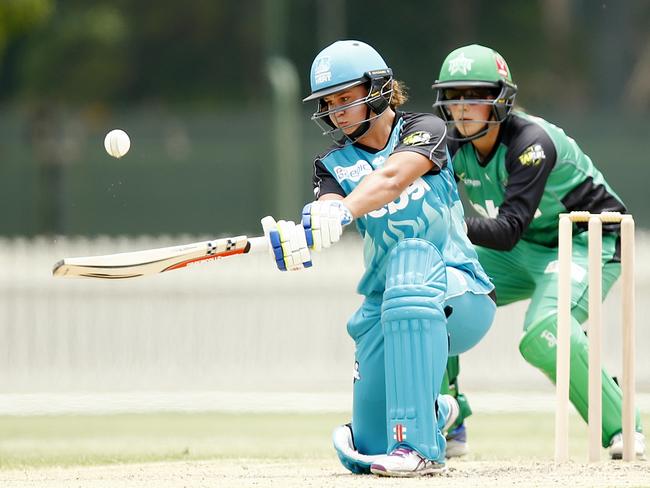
<point x="258" y="244"/>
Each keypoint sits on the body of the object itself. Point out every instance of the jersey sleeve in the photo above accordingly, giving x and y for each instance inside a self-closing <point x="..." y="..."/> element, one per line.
<point x="529" y="162"/>
<point x="323" y="182"/>
<point x="424" y="134"/>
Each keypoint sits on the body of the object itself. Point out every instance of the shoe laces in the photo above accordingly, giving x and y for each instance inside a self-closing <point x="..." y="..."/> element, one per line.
<point x="402" y="452"/>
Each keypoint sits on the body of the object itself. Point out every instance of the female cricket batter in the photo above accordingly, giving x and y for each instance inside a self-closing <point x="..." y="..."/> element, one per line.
<point x="389" y="171"/>
<point x="520" y="173"/>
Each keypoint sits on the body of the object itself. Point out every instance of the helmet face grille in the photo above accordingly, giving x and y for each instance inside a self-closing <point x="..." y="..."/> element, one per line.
<point x="377" y="100"/>
<point x="344" y="65"/>
<point x="502" y="102"/>
<point x="471" y="72"/>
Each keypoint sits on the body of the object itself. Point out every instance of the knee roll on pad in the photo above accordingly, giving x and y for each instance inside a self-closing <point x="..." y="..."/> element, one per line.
<point x="415" y="344"/>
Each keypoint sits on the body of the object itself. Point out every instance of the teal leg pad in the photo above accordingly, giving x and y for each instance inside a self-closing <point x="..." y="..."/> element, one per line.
<point x="415" y="342"/>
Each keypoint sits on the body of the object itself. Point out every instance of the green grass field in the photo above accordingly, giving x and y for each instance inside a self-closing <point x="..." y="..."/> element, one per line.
<point x="42" y="441"/>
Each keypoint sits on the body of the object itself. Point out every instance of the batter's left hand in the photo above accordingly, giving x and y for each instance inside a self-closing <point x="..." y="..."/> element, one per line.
<point x="287" y="243"/>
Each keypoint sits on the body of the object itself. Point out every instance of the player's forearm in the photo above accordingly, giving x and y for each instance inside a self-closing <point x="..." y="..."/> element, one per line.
<point x="387" y="184"/>
<point x="501" y="234"/>
<point x="376" y="190"/>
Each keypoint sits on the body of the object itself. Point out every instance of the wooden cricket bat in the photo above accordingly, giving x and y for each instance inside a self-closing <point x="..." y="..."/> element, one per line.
<point x="153" y="261"/>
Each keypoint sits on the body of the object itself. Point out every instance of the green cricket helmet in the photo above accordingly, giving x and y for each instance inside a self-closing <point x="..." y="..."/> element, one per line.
<point x="343" y="65"/>
<point x="478" y="75"/>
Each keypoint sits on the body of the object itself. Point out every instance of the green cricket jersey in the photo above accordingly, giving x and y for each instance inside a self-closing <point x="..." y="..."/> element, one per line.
<point x="534" y="173"/>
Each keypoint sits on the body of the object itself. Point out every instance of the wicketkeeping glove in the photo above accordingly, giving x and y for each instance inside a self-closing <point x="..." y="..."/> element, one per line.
<point x="323" y="222"/>
<point x="288" y="244"/>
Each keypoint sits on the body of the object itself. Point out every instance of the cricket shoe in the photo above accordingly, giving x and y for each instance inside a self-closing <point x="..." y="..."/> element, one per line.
<point x="457" y="437"/>
<point x="457" y="442"/>
<point x="616" y="446"/>
<point x="404" y="462"/>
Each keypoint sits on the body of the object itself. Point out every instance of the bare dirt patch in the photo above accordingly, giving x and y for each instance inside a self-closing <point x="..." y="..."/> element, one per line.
<point x="327" y="473"/>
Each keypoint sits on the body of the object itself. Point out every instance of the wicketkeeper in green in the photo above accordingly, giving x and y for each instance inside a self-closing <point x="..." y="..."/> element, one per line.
<point x="520" y="172"/>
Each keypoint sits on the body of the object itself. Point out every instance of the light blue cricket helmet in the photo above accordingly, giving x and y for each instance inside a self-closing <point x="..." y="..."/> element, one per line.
<point x="343" y="65"/>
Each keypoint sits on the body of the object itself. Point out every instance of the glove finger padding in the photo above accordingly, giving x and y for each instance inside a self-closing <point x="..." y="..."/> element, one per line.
<point x="335" y="228"/>
<point x="323" y="222"/>
<point x="288" y="244"/>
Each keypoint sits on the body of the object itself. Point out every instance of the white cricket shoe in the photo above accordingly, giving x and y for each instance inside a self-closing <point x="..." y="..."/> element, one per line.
<point x="457" y="445"/>
<point x="616" y="446"/>
<point x="405" y="462"/>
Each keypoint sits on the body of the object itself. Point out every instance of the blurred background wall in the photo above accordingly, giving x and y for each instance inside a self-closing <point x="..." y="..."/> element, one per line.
<point x="209" y="92"/>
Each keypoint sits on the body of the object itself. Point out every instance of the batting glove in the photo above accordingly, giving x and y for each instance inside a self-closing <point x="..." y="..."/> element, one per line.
<point x="287" y="244"/>
<point x="323" y="222"/>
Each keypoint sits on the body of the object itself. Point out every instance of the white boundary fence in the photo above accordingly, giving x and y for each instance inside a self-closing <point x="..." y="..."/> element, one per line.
<point x="237" y="325"/>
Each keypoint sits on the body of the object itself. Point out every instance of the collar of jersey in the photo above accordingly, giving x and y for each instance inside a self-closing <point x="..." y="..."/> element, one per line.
<point x="372" y="150"/>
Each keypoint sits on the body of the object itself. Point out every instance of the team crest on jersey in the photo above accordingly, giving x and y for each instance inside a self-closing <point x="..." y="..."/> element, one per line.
<point x="354" y="172"/>
<point x="417" y="138"/>
<point x="460" y="64"/>
<point x="532" y="156"/>
<point x="322" y="71"/>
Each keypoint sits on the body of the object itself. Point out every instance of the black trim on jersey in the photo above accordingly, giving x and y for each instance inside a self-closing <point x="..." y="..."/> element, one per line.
<point x="454" y="145"/>
<point x="616" y="258"/>
<point x="595" y="199"/>
<point x="324" y="182"/>
<point x="372" y="150"/>
<point x="524" y="189"/>
<point x="436" y="128"/>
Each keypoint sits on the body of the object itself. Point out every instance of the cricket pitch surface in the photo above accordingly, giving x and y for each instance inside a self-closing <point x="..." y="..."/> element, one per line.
<point x="327" y="473"/>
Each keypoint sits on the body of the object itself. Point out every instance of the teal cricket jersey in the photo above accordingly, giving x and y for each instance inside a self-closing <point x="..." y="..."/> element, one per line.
<point x="428" y="209"/>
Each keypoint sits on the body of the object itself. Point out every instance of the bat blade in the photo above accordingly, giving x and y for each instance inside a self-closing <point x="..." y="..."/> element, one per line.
<point x="154" y="261"/>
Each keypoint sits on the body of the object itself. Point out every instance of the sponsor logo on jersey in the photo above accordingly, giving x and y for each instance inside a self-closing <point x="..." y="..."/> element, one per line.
<point x="470" y="182"/>
<point x="322" y="72"/>
<point x="354" y="172"/>
<point x="532" y="156"/>
<point x="378" y="162"/>
<point x="415" y="191"/>
<point x="417" y="138"/>
<point x="460" y="64"/>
